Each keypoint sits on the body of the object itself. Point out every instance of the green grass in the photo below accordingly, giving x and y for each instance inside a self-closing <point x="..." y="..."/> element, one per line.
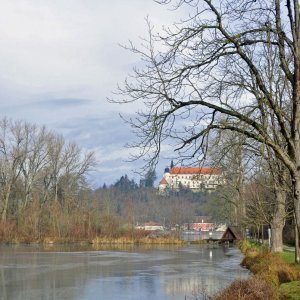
<point x="289" y="257"/>
<point x="274" y="268"/>
<point x="290" y="290"/>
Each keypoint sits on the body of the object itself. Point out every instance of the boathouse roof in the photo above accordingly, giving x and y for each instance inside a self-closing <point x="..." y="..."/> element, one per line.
<point x="232" y="233"/>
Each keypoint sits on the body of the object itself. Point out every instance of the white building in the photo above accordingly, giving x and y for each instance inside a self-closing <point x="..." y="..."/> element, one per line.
<point x="150" y="226"/>
<point x="196" y="179"/>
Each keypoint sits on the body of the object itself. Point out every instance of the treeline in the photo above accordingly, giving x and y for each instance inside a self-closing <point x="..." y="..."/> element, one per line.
<point x="44" y="192"/>
<point x="135" y="204"/>
<point x="41" y="177"/>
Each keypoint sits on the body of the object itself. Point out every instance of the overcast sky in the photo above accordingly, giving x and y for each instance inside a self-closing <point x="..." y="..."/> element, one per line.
<point x="60" y="59"/>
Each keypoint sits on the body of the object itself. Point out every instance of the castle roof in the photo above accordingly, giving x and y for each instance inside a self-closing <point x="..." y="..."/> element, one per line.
<point x="201" y="171"/>
<point x="163" y="181"/>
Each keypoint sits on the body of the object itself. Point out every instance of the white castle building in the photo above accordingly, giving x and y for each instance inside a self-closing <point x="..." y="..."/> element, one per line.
<point x="196" y="179"/>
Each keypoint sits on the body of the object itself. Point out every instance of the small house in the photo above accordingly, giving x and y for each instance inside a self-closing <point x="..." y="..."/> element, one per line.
<point x="232" y="234"/>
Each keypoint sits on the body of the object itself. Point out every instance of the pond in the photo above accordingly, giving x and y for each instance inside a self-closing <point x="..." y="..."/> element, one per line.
<point x="141" y="273"/>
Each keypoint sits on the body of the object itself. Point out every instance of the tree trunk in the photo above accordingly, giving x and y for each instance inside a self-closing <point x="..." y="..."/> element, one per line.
<point x="56" y="192"/>
<point x="6" y="199"/>
<point x="296" y="186"/>
<point x="296" y="189"/>
<point x="27" y="196"/>
<point x="297" y="252"/>
<point x="241" y="211"/>
<point x="276" y="238"/>
<point x="278" y="221"/>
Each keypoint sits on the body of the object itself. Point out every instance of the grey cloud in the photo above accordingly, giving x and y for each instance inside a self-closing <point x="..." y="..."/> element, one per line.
<point x="57" y="103"/>
<point x="94" y="131"/>
<point x="106" y="135"/>
<point x="110" y="171"/>
<point x="56" y="57"/>
<point x="60" y="103"/>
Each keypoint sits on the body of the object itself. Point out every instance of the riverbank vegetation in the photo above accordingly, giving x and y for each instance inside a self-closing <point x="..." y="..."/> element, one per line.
<point x="45" y="197"/>
<point x="77" y="223"/>
<point x="273" y="277"/>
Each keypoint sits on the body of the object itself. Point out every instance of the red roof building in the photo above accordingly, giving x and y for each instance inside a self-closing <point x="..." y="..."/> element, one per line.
<point x="196" y="171"/>
<point x="163" y="182"/>
<point x="196" y="179"/>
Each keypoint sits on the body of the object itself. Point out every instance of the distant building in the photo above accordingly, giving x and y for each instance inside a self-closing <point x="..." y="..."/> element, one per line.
<point x="150" y="226"/>
<point x="196" y="179"/>
<point x="199" y="226"/>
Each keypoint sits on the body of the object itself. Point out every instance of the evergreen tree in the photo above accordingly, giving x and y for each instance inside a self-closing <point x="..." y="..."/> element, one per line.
<point x="149" y="179"/>
<point x="125" y="184"/>
<point x="172" y="164"/>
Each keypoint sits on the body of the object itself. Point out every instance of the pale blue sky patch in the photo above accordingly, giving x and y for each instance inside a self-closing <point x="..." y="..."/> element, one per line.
<point x="60" y="60"/>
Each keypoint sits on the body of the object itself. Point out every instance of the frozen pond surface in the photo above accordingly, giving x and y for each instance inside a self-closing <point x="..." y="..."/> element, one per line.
<point x="134" y="273"/>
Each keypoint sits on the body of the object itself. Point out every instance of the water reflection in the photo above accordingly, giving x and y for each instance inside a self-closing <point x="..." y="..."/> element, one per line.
<point x="35" y="272"/>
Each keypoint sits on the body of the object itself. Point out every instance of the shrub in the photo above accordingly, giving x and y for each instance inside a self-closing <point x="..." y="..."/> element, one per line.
<point x="252" y="256"/>
<point x="287" y="273"/>
<point x="7" y="230"/>
<point x="273" y="270"/>
<point x="271" y="267"/>
<point x="290" y="291"/>
<point x="244" y="245"/>
<point x="254" y="288"/>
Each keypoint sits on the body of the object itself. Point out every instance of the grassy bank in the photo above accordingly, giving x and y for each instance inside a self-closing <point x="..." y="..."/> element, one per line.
<point x="274" y="276"/>
<point x="290" y="290"/>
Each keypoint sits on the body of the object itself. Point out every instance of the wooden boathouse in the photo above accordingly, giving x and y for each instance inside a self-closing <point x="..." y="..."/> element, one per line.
<point x="232" y="234"/>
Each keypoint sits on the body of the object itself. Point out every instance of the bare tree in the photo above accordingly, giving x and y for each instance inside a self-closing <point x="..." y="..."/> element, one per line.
<point x="259" y="204"/>
<point x="12" y="155"/>
<point x="56" y="163"/>
<point x="32" y="159"/>
<point x="36" y="158"/>
<point x="280" y="187"/>
<point x="232" y="66"/>
<point x="75" y="166"/>
<point x="251" y="169"/>
<point x="228" y="150"/>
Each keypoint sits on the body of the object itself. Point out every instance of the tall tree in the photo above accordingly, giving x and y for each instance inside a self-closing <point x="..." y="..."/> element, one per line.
<point x="231" y="65"/>
<point x="12" y="156"/>
<point x="149" y="179"/>
<point x="124" y="184"/>
<point x="228" y="151"/>
<point x="36" y="158"/>
<point x="32" y="159"/>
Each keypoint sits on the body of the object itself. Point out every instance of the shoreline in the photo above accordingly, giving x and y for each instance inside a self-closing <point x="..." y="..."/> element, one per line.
<point x="100" y="241"/>
<point x="273" y="276"/>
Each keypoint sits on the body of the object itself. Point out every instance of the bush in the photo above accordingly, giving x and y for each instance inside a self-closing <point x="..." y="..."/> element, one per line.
<point x="290" y="291"/>
<point x="271" y="271"/>
<point x="254" y="288"/>
<point x="7" y="230"/>
<point x="271" y="267"/>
